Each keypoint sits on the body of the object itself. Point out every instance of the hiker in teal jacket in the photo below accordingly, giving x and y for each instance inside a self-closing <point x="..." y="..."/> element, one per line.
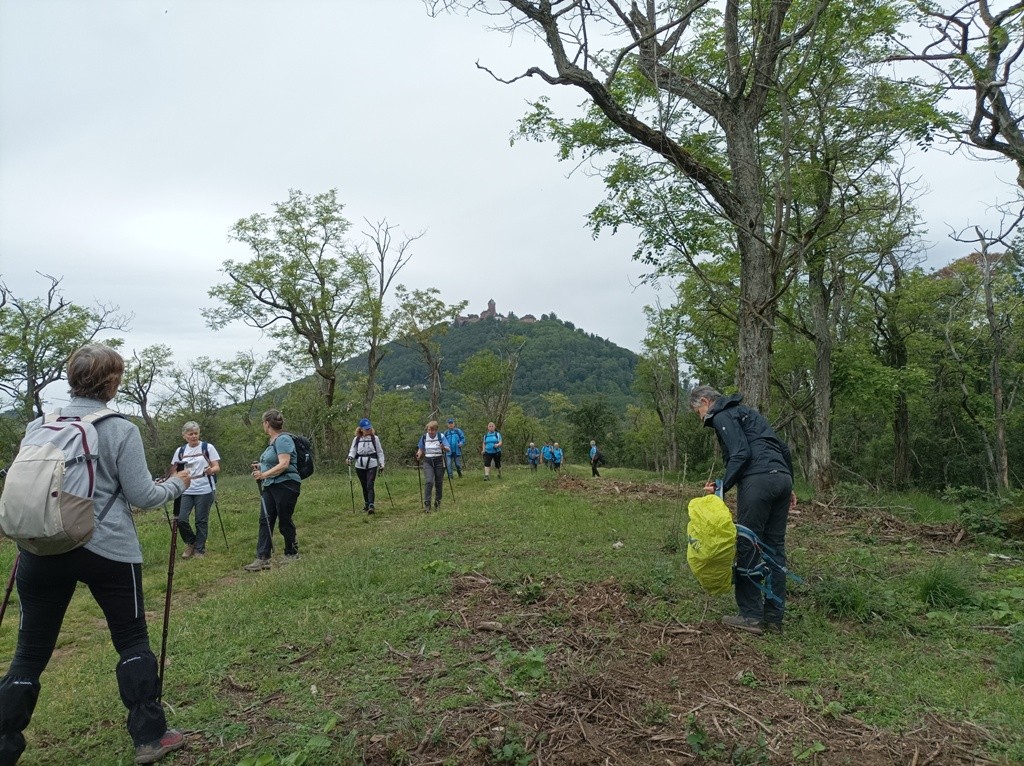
<point x="491" y="450"/>
<point x="532" y="456"/>
<point x="556" y="457"/>
<point x="456" y="438"/>
<point x="545" y="455"/>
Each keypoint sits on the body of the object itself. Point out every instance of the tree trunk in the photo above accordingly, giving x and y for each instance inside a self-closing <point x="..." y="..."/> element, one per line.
<point x="759" y="269"/>
<point x="1001" y="467"/>
<point x="820" y="431"/>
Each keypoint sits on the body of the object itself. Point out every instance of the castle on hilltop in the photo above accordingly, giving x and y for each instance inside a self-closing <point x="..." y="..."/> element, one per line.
<point x="491" y="313"/>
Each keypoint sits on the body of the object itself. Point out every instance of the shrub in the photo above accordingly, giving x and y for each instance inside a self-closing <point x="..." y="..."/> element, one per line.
<point x="843" y="599"/>
<point x="944" y="587"/>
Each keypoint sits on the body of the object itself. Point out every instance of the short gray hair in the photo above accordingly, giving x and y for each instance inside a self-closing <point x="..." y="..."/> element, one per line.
<point x="703" y="392"/>
<point x="190" y="426"/>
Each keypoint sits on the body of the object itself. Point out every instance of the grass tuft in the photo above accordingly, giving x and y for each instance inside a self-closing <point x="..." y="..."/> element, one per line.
<point x="942" y="586"/>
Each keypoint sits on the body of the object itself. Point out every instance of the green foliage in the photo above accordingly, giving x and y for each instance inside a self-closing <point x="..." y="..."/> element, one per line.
<point x="843" y="599"/>
<point x="303" y="284"/>
<point x="945" y="586"/>
<point x="554" y="359"/>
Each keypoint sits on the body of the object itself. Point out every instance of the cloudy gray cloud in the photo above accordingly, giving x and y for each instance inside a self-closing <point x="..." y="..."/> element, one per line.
<point x="134" y="134"/>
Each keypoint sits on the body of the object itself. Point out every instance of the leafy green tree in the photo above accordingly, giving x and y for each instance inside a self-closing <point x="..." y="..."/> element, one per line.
<point x="975" y="48"/>
<point x="423" y="318"/>
<point x="595" y="419"/>
<point x="38" y="336"/>
<point x="303" y="284"/>
<point x="687" y="91"/>
<point x="243" y="380"/>
<point x="487" y="378"/>
<point x="143" y="385"/>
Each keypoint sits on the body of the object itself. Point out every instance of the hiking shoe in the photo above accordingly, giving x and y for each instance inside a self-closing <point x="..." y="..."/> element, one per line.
<point x="153" y="751"/>
<point x="749" y="624"/>
<point x="486" y="477"/>
<point x="370" y="509"/>
<point x="257" y="565"/>
<point x="772" y="627"/>
<point x="199" y="554"/>
<point x="189" y="552"/>
<point x="290" y="557"/>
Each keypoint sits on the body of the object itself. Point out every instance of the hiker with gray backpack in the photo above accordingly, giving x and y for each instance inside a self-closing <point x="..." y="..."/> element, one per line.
<point x="67" y="504"/>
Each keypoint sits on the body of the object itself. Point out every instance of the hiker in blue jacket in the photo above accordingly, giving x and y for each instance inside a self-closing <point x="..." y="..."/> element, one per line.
<point x="595" y="458"/>
<point x="532" y="456"/>
<point x="556" y="457"/>
<point x="545" y="455"/>
<point x="455" y="437"/>
<point x="491" y="450"/>
<point x="759" y="465"/>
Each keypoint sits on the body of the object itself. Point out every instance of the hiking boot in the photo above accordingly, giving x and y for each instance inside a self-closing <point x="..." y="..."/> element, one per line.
<point x="426" y="508"/>
<point x="257" y="565"/>
<point x="189" y="552"/>
<point x="437" y="507"/>
<point x="289" y="558"/>
<point x="460" y="474"/>
<point x="153" y="751"/>
<point x="772" y="627"/>
<point x="749" y="624"/>
<point x="370" y="509"/>
<point x="199" y="554"/>
<point x="486" y="477"/>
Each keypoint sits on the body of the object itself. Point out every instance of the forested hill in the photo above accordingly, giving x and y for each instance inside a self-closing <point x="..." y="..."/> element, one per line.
<point x="557" y="357"/>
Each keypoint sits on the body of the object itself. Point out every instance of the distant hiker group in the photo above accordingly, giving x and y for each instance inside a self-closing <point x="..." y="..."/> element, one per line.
<point x="84" y="531"/>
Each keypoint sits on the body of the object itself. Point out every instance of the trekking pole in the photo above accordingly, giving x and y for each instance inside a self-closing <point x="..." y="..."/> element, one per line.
<point x="351" y="489"/>
<point x="170" y="586"/>
<point x="451" y="487"/>
<point x="384" y="479"/>
<point x="419" y="478"/>
<point x="220" y="518"/>
<point x="10" y="586"/>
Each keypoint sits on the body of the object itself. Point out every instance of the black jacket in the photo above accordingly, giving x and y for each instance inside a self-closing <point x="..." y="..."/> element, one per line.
<point x="749" y="445"/>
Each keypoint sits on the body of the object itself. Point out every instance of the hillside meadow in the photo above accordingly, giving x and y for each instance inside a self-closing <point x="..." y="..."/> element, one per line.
<point x="553" y="620"/>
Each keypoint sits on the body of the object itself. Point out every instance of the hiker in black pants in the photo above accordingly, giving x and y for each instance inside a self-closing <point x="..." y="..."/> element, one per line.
<point x="431" y="450"/>
<point x="110" y="564"/>
<point x="368" y="455"/>
<point x="758" y="464"/>
<point x="595" y="458"/>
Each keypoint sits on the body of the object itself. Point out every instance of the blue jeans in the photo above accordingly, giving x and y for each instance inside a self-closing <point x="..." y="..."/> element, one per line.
<point x="762" y="506"/>
<point x="454" y="464"/>
<point x="202" y="505"/>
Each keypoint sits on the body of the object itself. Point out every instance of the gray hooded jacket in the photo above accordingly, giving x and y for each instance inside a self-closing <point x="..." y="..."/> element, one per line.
<point x="121" y="469"/>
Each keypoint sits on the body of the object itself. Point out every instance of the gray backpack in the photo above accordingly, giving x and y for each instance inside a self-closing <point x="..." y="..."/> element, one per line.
<point x="47" y="502"/>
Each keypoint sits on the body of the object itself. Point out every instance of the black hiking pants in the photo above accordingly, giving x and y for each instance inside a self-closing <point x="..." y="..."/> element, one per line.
<point x="277" y="505"/>
<point x="45" y="587"/>
<point x="367" y="478"/>
<point x="762" y="503"/>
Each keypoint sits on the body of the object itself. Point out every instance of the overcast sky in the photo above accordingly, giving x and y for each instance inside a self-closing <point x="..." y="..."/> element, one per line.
<point x="133" y="134"/>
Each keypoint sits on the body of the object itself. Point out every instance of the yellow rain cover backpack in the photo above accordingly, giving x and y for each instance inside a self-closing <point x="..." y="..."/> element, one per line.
<point x="712" y="543"/>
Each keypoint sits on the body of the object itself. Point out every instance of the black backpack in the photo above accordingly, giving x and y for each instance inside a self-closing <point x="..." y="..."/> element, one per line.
<point x="303" y="455"/>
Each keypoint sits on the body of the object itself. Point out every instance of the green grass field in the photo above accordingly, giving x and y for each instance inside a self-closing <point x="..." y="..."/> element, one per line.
<point x="543" y="621"/>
